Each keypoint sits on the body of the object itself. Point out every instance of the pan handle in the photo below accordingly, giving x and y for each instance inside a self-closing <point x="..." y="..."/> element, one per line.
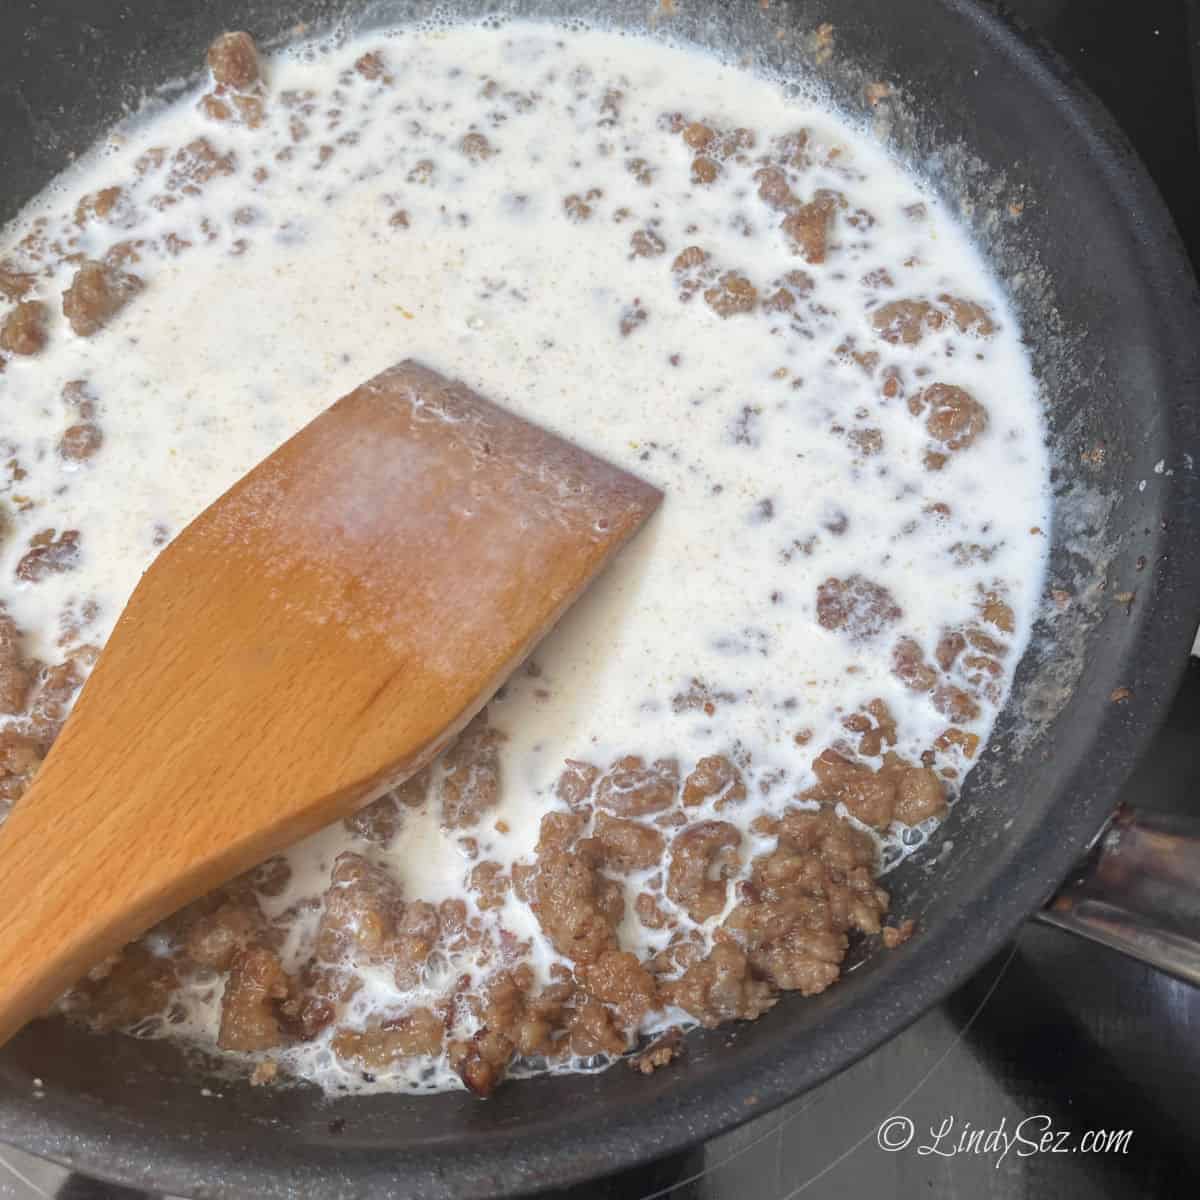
<point x="1138" y="891"/>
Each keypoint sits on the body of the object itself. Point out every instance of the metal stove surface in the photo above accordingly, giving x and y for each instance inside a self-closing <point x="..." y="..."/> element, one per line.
<point x="1054" y="1036"/>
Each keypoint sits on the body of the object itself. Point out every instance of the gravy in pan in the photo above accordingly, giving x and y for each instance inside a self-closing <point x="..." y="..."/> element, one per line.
<point x="681" y="806"/>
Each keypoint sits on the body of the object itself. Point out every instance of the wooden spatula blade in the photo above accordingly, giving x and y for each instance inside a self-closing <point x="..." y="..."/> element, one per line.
<point x="314" y="637"/>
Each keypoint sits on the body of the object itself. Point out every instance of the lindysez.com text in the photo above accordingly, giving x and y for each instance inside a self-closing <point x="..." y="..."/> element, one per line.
<point x="951" y="1137"/>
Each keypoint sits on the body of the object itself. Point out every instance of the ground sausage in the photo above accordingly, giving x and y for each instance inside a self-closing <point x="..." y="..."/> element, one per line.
<point x="195" y="164"/>
<point x="476" y="147"/>
<point x="97" y="293"/>
<point x="56" y="688"/>
<point x="630" y="788"/>
<point x="218" y="937"/>
<point x="732" y="294"/>
<point x="803" y="898"/>
<point x="774" y="189"/>
<point x="592" y="1030"/>
<point x="910" y="667"/>
<point x="577" y="907"/>
<point x="49" y="553"/>
<point x="361" y="909"/>
<point x="628" y="845"/>
<point x="316" y="999"/>
<point x="137" y="986"/>
<point x="80" y="441"/>
<point x="471" y="782"/>
<point x="968" y="315"/>
<point x="372" y="66"/>
<point x="659" y="1053"/>
<point x="419" y="1031"/>
<point x="618" y="979"/>
<point x="807" y="227"/>
<point x="720" y="988"/>
<point x="233" y="60"/>
<point x="16" y="674"/>
<point x="15" y="284"/>
<point x="378" y="822"/>
<point x="20" y="756"/>
<point x="870" y="796"/>
<point x="481" y="1062"/>
<point x="417" y="930"/>
<point x="698" y="135"/>
<point x="955" y="704"/>
<point x="906" y="321"/>
<point x="24" y="329"/>
<point x="950" y="645"/>
<point x="648" y="912"/>
<point x="490" y="885"/>
<point x="955" y="418"/>
<point x="920" y="795"/>
<point x="256" y="986"/>
<point x="714" y="775"/>
<point x="697" y="853"/>
<point x="792" y="149"/>
<point x="856" y="606"/>
<point x="705" y="169"/>
<point x="647" y="244"/>
<point x="101" y="204"/>
<point x="575" y="784"/>
<point x="876" y="727"/>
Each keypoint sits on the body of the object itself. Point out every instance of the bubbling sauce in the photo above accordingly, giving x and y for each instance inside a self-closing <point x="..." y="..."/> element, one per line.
<point x="679" y="808"/>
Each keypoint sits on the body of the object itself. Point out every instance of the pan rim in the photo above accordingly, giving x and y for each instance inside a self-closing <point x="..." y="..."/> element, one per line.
<point x="701" y="1111"/>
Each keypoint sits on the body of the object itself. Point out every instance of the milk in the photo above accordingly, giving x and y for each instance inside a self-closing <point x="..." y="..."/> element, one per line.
<point x="263" y="321"/>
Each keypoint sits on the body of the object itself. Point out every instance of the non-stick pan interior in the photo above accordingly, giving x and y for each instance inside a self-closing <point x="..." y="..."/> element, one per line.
<point x="1108" y="306"/>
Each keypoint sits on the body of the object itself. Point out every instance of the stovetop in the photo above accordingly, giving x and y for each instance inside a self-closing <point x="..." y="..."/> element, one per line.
<point x="1054" y="1039"/>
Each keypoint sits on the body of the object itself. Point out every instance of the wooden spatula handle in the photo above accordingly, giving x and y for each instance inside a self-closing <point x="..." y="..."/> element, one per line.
<point x="71" y="900"/>
<point x="77" y="889"/>
<point x="316" y="635"/>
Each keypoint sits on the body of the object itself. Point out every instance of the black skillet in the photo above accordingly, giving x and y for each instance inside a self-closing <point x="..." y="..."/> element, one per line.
<point x="1109" y="308"/>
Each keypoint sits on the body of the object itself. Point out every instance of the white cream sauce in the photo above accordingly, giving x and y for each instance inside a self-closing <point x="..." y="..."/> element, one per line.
<point x="227" y="353"/>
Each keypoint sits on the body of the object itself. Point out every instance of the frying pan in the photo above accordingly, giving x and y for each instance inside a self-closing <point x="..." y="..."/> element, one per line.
<point x="1073" y="226"/>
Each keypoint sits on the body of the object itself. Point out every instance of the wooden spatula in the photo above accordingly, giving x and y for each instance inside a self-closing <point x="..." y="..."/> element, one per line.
<point x="313" y="638"/>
